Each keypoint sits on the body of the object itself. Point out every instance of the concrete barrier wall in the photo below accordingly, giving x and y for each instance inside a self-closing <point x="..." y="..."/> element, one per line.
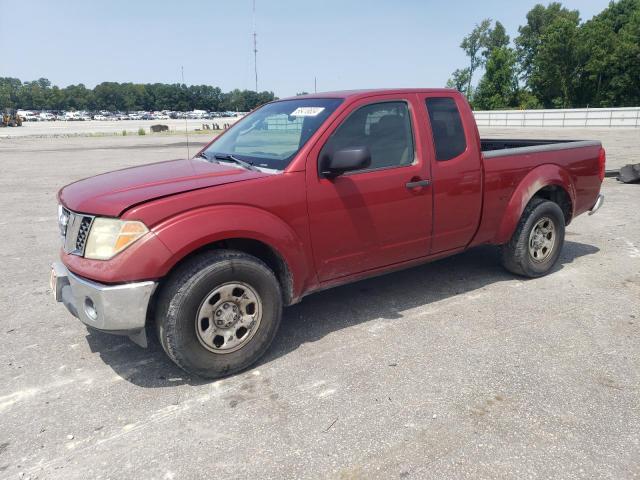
<point x="575" y="117"/>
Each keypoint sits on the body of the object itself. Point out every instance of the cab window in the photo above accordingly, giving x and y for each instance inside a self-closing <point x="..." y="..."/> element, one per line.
<point x="446" y="125"/>
<point x="383" y="127"/>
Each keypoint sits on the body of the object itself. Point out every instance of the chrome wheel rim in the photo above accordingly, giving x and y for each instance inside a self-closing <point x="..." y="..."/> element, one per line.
<point x="542" y="239"/>
<point x="228" y="317"/>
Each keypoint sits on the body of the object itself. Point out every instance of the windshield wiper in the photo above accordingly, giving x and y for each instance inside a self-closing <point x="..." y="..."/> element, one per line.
<point x="229" y="157"/>
<point x="202" y="155"/>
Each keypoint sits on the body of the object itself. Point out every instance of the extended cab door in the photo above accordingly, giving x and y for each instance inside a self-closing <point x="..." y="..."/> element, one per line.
<point x="380" y="215"/>
<point x="456" y="169"/>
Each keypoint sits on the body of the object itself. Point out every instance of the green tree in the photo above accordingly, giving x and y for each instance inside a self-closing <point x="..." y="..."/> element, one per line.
<point x="78" y="97"/>
<point x="460" y="81"/>
<point x="625" y="87"/>
<point x="34" y="94"/>
<point x="560" y="62"/>
<point x="496" y="38"/>
<point x="609" y="45"/>
<point x="527" y="100"/>
<point x="530" y="37"/>
<point x="113" y="96"/>
<point x="555" y="70"/>
<point x="499" y="85"/>
<point x="479" y="46"/>
<point x="133" y="96"/>
<point x="109" y="96"/>
<point x="56" y="98"/>
<point x="473" y="45"/>
<point x="9" y="92"/>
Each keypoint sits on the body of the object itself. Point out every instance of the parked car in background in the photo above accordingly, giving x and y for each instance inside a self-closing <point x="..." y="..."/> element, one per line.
<point x="196" y="114"/>
<point x="46" y="117"/>
<point x="31" y="116"/>
<point x="27" y="115"/>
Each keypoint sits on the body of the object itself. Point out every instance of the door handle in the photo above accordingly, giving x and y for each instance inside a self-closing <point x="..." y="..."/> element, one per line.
<point x="417" y="184"/>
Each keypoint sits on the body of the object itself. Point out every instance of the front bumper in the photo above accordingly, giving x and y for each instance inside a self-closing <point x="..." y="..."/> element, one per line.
<point x="118" y="309"/>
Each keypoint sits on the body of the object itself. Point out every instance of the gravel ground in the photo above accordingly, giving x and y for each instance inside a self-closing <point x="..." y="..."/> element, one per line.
<point x="96" y="127"/>
<point x="455" y="369"/>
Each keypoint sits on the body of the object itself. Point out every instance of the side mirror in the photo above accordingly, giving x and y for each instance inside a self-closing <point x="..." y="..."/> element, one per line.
<point x="344" y="160"/>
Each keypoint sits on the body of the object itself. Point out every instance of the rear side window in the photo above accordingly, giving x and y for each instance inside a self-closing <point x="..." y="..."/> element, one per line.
<point x="446" y="125"/>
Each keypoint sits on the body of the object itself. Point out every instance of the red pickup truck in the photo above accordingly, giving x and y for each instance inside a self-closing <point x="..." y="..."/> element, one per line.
<point x="301" y="195"/>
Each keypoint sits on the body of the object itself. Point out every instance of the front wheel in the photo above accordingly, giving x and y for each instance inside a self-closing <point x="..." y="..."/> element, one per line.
<point x="537" y="242"/>
<point x="218" y="313"/>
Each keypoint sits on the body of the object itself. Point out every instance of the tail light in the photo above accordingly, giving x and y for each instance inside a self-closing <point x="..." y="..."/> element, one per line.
<point x="602" y="160"/>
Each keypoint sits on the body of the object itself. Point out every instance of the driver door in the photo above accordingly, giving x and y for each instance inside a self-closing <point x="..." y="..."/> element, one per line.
<point x="378" y="216"/>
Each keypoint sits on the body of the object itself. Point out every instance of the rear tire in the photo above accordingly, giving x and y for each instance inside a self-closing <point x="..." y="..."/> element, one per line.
<point x="218" y="313"/>
<point x="536" y="244"/>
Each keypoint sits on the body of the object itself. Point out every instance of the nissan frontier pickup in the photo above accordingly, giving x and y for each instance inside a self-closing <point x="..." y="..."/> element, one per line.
<point x="301" y="195"/>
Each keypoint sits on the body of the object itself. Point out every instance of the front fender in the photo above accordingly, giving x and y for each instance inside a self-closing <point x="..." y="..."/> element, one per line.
<point x="535" y="180"/>
<point x="191" y="230"/>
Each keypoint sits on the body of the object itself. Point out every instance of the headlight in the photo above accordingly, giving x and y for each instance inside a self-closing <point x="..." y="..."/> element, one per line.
<point x="108" y="236"/>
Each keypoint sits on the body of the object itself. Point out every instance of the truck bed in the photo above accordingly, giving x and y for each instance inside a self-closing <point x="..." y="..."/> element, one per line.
<point x="499" y="147"/>
<point x="509" y="161"/>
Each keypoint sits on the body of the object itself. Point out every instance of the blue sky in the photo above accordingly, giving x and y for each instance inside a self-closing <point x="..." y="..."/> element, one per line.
<point x="345" y="44"/>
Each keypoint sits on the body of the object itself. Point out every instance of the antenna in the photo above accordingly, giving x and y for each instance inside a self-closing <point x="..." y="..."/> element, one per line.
<point x="255" y="45"/>
<point x="186" y="124"/>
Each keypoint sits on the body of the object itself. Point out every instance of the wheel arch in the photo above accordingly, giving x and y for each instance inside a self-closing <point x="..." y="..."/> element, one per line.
<point x="259" y="249"/>
<point x="548" y="181"/>
<point x="560" y="196"/>
<point x="246" y="229"/>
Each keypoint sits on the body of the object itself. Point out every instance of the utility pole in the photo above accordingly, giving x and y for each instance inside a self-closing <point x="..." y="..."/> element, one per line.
<point x="255" y="45"/>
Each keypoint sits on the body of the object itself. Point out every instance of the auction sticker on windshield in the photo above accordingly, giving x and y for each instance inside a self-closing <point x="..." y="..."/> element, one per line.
<point x="306" y="111"/>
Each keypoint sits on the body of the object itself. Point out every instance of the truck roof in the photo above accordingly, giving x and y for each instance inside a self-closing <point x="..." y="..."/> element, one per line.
<point x="351" y="94"/>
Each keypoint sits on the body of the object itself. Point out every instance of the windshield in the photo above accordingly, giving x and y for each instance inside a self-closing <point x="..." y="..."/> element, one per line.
<point x="272" y="135"/>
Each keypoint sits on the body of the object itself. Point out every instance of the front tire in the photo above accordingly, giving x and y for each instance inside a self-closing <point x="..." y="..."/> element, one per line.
<point x="537" y="242"/>
<point x="218" y="313"/>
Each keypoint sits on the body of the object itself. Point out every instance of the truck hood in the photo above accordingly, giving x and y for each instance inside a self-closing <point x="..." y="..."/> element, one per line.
<point x="112" y="193"/>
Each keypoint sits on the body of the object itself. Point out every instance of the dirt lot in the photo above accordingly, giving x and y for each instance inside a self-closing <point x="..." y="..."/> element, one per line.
<point x="455" y="369"/>
<point x="96" y="127"/>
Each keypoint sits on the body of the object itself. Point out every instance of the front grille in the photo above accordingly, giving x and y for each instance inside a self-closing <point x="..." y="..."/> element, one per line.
<point x="83" y="233"/>
<point x="74" y="228"/>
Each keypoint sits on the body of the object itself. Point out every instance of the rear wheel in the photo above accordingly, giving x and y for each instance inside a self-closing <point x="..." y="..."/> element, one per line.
<point x="218" y="313"/>
<point x="537" y="242"/>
